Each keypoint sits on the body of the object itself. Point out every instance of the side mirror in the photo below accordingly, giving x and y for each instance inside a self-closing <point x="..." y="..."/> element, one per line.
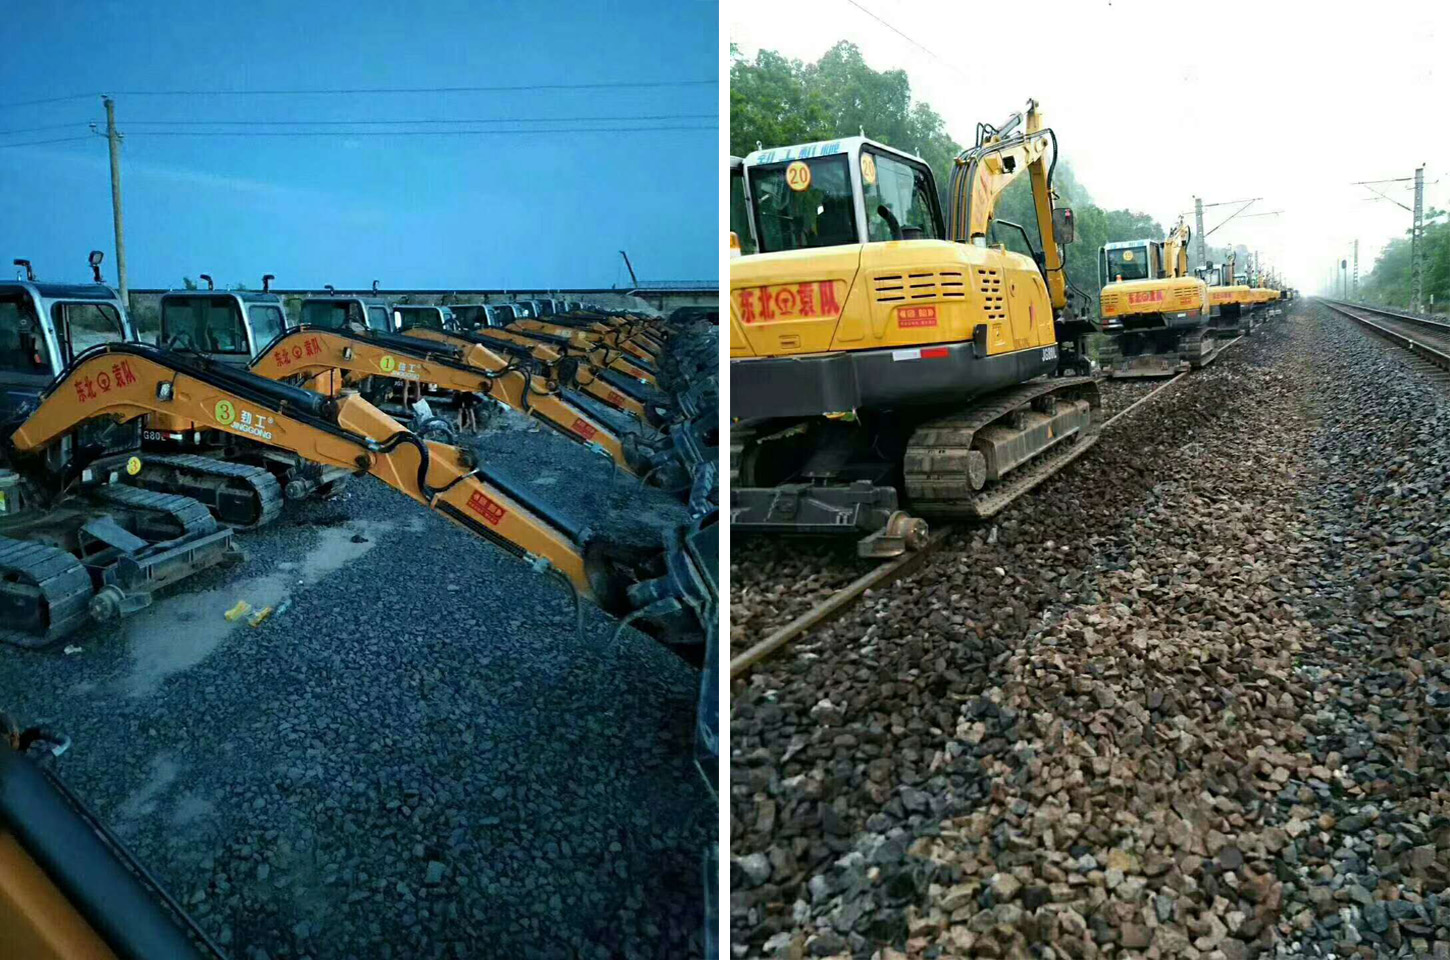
<point x="95" y="261"/>
<point x="1063" y="224"/>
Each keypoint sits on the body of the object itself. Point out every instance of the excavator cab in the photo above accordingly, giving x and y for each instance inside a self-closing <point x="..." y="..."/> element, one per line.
<point x="44" y="326"/>
<point x="340" y="312"/>
<point x="482" y="316"/>
<point x="524" y="310"/>
<point x="410" y="316"/>
<point x="231" y="326"/>
<point x="1130" y="260"/>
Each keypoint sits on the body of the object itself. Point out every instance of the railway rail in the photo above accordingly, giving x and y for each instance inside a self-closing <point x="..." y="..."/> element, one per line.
<point x="1426" y="339"/>
<point x="839" y="601"/>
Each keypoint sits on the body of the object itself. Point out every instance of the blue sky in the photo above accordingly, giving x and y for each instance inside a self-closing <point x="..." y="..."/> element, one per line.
<point x="504" y="210"/>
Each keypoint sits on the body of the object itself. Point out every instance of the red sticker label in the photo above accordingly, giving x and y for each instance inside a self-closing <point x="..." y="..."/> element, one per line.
<point x="583" y="429"/>
<point x="486" y="508"/>
<point x="615" y="399"/>
<point x="1145" y="296"/>
<point x="795" y="301"/>
<point x="916" y="317"/>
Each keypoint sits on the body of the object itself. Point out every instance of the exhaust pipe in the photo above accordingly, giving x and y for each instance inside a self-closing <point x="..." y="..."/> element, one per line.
<point x="267" y="279"/>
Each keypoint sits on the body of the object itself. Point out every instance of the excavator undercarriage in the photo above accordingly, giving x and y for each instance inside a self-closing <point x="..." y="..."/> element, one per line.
<point x="827" y="475"/>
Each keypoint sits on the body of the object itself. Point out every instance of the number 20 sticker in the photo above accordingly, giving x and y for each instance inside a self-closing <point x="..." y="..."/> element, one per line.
<point x="868" y="169"/>
<point x="798" y="176"/>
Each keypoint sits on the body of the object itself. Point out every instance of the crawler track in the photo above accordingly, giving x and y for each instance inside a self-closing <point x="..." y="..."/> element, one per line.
<point x="1120" y="398"/>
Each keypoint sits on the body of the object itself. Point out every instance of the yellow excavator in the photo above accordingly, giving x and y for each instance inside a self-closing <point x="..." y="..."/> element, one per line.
<point x="1229" y="299"/>
<point x="1154" y="312"/>
<point x="88" y="532"/>
<point x="883" y="357"/>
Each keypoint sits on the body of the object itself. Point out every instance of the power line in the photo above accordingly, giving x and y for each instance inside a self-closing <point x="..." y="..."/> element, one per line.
<point x="304" y="123"/>
<point x="36" y="143"/>
<point x="927" y="50"/>
<point x="318" y="91"/>
<point x="48" y="126"/>
<point x="402" y="133"/>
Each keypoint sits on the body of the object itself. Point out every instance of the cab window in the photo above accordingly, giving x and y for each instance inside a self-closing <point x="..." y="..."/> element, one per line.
<point x="739" y="213"/>
<point x="378" y="319"/>
<point x="903" y="188"/>
<point x="81" y="326"/>
<point x="330" y="314"/>
<point x="794" y="212"/>
<point x="1126" y="263"/>
<point x="204" y="324"/>
<point x="22" y="344"/>
<point x="267" y="324"/>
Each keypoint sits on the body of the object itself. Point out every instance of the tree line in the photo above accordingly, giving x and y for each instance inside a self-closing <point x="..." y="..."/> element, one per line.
<point x="1391" y="283"/>
<point x="776" y="101"/>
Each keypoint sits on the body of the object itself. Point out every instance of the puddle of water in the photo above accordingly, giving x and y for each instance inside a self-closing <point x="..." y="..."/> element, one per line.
<point x="190" y="808"/>
<point x="142" y="801"/>
<point x="180" y="631"/>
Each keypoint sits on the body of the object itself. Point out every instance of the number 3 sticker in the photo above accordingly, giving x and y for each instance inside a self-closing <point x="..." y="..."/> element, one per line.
<point x="798" y="176"/>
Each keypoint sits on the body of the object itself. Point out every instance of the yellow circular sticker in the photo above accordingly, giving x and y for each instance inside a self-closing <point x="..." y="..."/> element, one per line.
<point x="798" y="176"/>
<point x="225" y="412"/>
<point x="1127" y="256"/>
<point x="388" y="364"/>
<point x="133" y="466"/>
<point x="868" y="169"/>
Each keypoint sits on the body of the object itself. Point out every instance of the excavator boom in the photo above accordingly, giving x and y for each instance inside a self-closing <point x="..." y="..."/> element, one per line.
<point x="982" y="172"/>
<point x="129" y="380"/>
<point x="310" y="351"/>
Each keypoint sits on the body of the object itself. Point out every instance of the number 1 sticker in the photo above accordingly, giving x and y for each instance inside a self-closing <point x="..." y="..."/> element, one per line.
<point x="798" y="176"/>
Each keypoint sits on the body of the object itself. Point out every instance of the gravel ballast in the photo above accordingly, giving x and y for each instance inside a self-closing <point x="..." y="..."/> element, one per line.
<point x="416" y="757"/>
<point x="1187" y="699"/>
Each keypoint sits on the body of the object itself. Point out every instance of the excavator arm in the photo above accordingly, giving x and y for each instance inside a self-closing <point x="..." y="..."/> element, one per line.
<point x="982" y="172"/>
<point x="127" y="380"/>
<point x="555" y="365"/>
<point x="639" y="350"/>
<point x="472" y="368"/>
<point x="1175" y="251"/>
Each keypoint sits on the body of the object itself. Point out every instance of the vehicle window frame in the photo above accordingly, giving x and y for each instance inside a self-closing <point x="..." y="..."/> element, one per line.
<point x="230" y="304"/>
<point x="755" y="171"/>
<point x="46" y="370"/>
<point x="1137" y="248"/>
<point x="934" y="203"/>
<point x="60" y="318"/>
<point x="259" y="342"/>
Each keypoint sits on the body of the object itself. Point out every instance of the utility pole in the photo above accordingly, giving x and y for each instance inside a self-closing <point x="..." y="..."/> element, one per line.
<point x="1417" y="240"/>
<point x="1355" y="295"/>
<point x="1202" y="257"/>
<point x="115" y="141"/>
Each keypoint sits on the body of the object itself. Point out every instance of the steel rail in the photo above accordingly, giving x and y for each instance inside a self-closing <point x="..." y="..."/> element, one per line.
<point x="1420" y="348"/>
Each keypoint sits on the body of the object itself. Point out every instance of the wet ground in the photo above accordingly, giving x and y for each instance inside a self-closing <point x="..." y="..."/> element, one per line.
<point x="415" y="755"/>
